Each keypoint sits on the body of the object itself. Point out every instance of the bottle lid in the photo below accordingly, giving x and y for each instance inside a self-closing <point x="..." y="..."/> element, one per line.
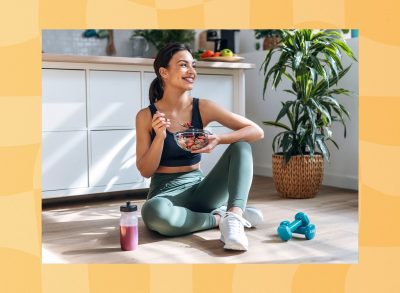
<point x="128" y="207"/>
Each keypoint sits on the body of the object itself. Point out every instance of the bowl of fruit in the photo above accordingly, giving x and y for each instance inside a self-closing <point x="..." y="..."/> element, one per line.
<point x="225" y="55"/>
<point x="192" y="139"/>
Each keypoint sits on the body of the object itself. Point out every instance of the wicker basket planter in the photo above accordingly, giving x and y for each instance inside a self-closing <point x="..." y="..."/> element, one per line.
<point x="300" y="178"/>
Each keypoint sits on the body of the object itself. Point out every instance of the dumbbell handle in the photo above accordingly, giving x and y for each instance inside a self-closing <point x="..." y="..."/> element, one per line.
<point x="295" y="224"/>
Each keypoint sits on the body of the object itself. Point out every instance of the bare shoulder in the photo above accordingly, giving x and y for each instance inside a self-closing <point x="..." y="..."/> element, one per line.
<point x="207" y="105"/>
<point x="143" y="114"/>
<point x="209" y="111"/>
<point x="143" y="118"/>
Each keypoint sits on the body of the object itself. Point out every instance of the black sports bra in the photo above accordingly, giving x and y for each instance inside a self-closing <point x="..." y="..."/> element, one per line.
<point x="172" y="154"/>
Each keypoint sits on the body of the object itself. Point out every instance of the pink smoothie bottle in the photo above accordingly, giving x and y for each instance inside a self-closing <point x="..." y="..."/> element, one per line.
<point x="128" y="227"/>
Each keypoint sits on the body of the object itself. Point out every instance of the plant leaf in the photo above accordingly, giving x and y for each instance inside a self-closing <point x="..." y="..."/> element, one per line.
<point x="312" y="117"/>
<point x="334" y="142"/>
<point x="276" y="124"/>
<point x="284" y="110"/>
<point x="274" y="141"/>
<point x="322" y="146"/>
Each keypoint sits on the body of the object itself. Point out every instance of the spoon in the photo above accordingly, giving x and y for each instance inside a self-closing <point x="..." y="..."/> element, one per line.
<point x="186" y="125"/>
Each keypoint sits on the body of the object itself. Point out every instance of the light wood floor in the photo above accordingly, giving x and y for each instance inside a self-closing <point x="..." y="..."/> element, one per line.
<point x="88" y="233"/>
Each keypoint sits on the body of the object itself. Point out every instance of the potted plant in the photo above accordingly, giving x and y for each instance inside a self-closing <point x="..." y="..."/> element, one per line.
<point x="271" y="38"/>
<point x="311" y="61"/>
<point x="160" y="38"/>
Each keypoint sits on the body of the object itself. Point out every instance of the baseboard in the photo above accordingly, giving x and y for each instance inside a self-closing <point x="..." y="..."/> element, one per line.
<point x="125" y="195"/>
<point x="349" y="182"/>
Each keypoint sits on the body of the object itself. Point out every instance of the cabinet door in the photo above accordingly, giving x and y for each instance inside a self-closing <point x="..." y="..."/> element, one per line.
<point x="63" y="99"/>
<point x="208" y="161"/>
<point x="114" y="99"/>
<point x="64" y="160"/>
<point x="218" y="88"/>
<point x="148" y="77"/>
<point x="113" y="158"/>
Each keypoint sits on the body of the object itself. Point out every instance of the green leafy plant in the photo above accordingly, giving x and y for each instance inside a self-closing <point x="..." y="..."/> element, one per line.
<point x="311" y="61"/>
<point x="260" y="34"/>
<point x="160" y="38"/>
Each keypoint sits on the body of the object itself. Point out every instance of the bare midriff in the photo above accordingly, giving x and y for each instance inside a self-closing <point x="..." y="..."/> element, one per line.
<point x="178" y="169"/>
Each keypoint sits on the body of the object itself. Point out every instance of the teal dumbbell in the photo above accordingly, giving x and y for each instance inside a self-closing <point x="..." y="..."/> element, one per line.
<point x="308" y="231"/>
<point x="286" y="229"/>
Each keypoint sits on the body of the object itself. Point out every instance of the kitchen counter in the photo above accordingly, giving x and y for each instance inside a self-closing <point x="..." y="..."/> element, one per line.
<point x="136" y="61"/>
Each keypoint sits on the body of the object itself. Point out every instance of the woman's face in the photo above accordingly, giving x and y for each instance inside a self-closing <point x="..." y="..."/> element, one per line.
<point x="181" y="72"/>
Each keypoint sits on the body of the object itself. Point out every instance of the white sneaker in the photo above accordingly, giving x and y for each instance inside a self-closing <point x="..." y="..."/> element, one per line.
<point x="232" y="231"/>
<point x="254" y="216"/>
<point x="251" y="214"/>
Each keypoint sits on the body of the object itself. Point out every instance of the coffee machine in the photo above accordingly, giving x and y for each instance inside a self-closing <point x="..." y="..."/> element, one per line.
<point x="223" y="39"/>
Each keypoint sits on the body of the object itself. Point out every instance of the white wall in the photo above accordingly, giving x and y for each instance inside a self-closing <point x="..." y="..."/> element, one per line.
<point x="248" y="41"/>
<point x="342" y="170"/>
<point x="71" y="42"/>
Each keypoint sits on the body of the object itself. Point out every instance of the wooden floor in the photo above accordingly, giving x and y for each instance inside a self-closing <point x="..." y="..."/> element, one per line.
<point x="89" y="233"/>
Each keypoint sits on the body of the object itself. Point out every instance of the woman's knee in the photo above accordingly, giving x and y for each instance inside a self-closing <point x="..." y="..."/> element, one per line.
<point x="156" y="213"/>
<point x="241" y="147"/>
<point x="155" y="208"/>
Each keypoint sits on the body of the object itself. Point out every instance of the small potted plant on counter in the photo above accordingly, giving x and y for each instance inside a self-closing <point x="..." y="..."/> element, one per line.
<point x="311" y="61"/>
<point x="271" y="38"/>
<point x="160" y="38"/>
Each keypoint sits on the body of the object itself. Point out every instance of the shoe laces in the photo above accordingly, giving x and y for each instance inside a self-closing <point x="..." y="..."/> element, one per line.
<point x="235" y="221"/>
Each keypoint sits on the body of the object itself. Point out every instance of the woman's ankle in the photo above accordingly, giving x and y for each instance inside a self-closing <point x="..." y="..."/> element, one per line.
<point x="217" y="219"/>
<point x="236" y="210"/>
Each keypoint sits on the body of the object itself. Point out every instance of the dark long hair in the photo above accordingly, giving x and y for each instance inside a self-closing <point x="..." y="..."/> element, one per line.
<point x="163" y="57"/>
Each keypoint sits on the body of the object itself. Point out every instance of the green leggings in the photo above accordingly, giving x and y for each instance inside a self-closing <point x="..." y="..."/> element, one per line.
<point x="180" y="203"/>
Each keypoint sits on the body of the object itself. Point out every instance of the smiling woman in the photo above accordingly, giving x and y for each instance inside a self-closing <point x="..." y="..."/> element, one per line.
<point x="181" y="199"/>
<point x="176" y="68"/>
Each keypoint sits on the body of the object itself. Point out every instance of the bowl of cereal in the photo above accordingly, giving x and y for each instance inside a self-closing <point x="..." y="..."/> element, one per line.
<point x="192" y="139"/>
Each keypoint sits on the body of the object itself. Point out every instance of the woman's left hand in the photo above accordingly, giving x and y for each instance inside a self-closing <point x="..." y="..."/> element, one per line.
<point x="213" y="141"/>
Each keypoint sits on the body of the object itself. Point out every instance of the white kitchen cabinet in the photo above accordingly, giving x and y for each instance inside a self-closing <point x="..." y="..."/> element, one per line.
<point x="148" y="77"/>
<point x="114" y="98"/>
<point x="63" y="99"/>
<point x="113" y="158"/>
<point x="89" y="109"/>
<point x="218" y="88"/>
<point x="64" y="160"/>
<point x="208" y="160"/>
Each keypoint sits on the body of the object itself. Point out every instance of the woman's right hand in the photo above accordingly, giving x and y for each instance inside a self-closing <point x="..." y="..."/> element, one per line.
<point x="160" y="124"/>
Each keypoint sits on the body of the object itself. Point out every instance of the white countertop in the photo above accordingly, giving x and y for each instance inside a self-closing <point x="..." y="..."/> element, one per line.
<point x="48" y="57"/>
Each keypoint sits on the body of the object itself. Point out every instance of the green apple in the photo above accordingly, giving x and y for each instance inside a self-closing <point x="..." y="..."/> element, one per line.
<point x="226" y="53"/>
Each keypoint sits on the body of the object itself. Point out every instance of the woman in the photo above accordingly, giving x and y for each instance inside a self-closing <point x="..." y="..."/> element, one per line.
<point x="180" y="199"/>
